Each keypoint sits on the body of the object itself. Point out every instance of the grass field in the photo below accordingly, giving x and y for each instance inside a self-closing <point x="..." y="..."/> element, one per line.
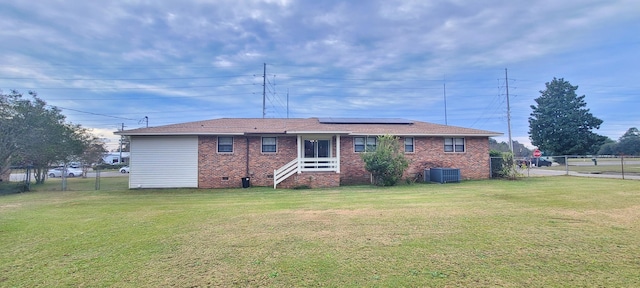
<point x="540" y="232"/>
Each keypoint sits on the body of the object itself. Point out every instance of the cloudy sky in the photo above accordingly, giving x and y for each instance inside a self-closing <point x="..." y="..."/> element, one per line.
<point x="113" y="63"/>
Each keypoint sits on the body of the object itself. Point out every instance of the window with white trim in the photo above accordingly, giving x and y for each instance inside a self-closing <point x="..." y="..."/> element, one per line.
<point x="453" y="144"/>
<point x="360" y="144"/>
<point x="225" y="144"/>
<point x="408" y="144"/>
<point x="269" y="144"/>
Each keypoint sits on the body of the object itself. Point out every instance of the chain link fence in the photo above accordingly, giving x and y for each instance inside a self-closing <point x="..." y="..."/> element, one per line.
<point x="22" y="179"/>
<point x="603" y="166"/>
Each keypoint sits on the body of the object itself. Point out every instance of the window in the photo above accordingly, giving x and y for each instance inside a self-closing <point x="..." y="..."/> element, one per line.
<point x="362" y="143"/>
<point x="453" y="144"/>
<point x="358" y="143"/>
<point x="225" y="144"/>
<point x="268" y="144"/>
<point x="408" y="144"/>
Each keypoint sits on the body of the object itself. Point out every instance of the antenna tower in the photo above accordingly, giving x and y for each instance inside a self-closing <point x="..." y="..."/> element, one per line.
<point x="506" y="80"/>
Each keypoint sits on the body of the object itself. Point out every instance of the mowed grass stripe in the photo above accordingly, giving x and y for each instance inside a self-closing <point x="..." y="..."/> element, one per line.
<point x="556" y="231"/>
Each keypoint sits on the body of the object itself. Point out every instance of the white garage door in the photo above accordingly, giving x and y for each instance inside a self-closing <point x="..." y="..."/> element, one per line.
<point x="163" y="162"/>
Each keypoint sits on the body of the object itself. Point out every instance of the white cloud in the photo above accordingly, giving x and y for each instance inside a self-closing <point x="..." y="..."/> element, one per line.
<point x="317" y="48"/>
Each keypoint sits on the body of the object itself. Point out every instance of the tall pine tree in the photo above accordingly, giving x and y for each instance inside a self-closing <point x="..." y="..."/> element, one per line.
<point x="560" y="123"/>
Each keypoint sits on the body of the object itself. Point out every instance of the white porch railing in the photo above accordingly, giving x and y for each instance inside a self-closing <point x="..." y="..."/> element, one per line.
<point x="304" y="165"/>
<point x="284" y="172"/>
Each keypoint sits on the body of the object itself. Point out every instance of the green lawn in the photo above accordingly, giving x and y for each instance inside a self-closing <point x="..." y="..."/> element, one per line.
<point x="541" y="232"/>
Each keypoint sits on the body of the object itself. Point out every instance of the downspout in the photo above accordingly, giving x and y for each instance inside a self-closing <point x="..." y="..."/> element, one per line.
<point x="247" y="168"/>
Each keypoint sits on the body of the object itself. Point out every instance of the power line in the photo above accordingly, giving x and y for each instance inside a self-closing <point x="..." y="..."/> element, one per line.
<point x="129" y="79"/>
<point x="129" y="97"/>
<point x="129" y="88"/>
<point x="92" y="113"/>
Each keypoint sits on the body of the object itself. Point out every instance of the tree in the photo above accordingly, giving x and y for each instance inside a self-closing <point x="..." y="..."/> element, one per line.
<point x="387" y="162"/>
<point x="608" y="148"/>
<point x="93" y="152"/>
<point x="9" y="129"/>
<point x="519" y="150"/>
<point x="500" y="147"/>
<point x="36" y="134"/>
<point x="628" y="144"/>
<point x="560" y="124"/>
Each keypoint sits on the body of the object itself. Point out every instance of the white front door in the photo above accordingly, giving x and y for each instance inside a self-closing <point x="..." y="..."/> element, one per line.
<point x="316" y="148"/>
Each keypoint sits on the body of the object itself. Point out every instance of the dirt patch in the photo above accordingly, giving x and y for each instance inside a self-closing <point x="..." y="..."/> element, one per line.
<point x="318" y="214"/>
<point x="623" y="216"/>
<point x="8" y="206"/>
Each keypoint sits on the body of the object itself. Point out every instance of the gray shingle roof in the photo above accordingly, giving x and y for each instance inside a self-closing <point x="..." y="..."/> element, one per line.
<point x="242" y="126"/>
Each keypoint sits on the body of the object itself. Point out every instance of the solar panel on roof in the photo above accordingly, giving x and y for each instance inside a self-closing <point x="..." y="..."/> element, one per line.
<point x="364" y="121"/>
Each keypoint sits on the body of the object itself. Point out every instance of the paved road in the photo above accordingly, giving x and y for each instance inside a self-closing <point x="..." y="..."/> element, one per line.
<point x="540" y="172"/>
<point x="608" y="162"/>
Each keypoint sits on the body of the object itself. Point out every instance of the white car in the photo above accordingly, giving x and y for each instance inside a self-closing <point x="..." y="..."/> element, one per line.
<point x="124" y="169"/>
<point x="70" y="172"/>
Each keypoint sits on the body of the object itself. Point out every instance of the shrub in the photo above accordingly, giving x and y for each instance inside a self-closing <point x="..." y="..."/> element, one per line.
<point x="386" y="163"/>
<point x="496" y="163"/>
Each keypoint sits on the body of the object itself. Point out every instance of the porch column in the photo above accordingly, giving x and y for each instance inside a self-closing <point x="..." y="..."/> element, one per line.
<point x="338" y="153"/>
<point x="299" y="152"/>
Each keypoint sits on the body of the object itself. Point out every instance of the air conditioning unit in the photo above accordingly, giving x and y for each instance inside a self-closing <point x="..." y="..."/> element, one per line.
<point x="444" y="175"/>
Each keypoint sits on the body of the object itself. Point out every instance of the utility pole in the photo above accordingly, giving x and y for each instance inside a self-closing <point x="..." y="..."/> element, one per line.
<point x="506" y="80"/>
<point x="444" y="89"/>
<point x="121" y="140"/>
<point x="264" y="90"/>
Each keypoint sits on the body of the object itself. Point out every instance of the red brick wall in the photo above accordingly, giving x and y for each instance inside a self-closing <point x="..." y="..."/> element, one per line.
<point x="312" y="180"/>
<point x="220" y="170"/>
<point x="351" y="165"/>
<point x="261" y="165"/>
<point x="429" y="152"/>
<point x="213" y="166"/>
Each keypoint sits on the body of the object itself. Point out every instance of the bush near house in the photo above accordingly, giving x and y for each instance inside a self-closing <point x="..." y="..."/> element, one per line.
<point x="386" y="163"/>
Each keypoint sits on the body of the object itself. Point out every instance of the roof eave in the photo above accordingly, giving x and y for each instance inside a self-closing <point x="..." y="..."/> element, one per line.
<point x="175" y="133"/>
<point x="318" y="132"/>
<point x="432" y="134"/>
<point x="305" y="132"/>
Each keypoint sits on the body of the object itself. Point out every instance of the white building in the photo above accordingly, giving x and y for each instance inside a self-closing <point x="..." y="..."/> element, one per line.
<point x="114" y="158"/>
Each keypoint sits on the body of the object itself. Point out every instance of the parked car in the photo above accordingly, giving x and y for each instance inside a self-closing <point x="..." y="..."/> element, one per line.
<point x="70" y="172"/>
<point x="539" y="162"/>
<point x="522" y="163"/>
<point x="124" y="169"/>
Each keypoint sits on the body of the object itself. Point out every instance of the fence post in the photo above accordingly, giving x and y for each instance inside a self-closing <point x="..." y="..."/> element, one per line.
<point x="97" y="179"/>
<point x="27" y="181"/>
<point x="566" y="164"/>
<point x="622" y="162"/>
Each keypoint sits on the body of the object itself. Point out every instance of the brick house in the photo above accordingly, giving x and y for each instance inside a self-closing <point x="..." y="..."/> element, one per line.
<point x="316" y="152"/>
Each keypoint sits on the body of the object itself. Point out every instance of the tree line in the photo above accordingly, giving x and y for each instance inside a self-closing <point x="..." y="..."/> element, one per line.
<point x="561" y="124"/>
<point x="36" y="135"/>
